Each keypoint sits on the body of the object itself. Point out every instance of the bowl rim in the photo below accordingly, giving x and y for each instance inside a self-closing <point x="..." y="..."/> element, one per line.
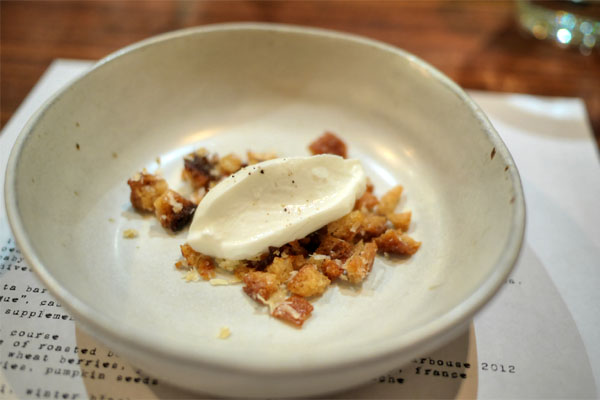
<point x="102" y="326"/>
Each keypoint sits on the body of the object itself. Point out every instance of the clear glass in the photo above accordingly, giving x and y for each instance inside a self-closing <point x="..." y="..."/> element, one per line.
<point x="567" y="22"/>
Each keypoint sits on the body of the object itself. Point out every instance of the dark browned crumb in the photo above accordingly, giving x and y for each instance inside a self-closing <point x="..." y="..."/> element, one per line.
<point x="173" y="210"/>
<point x="262" y="261"/>
<point x="294" y="248"/>
<point x="145" y="189"/>
<point x="328" y="143"/>
<point x="397" y="243"/>
<point x="200" y="169"/>
<point x="294" y="310"/>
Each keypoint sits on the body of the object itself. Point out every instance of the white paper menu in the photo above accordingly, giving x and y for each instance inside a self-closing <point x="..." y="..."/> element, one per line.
<point x="539" y="338"/>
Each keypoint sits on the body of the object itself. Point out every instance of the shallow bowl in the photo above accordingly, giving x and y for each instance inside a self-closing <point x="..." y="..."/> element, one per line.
<point x="261" y="87"/>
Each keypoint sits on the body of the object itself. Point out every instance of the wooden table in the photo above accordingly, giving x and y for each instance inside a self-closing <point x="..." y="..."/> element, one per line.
<point x="476" y="43"/>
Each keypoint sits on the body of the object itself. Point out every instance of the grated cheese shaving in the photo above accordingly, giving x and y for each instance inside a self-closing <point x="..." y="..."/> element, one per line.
<point x="192" y="276"/>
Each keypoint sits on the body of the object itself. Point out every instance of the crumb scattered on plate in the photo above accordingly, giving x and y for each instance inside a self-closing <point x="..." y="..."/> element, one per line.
<point x="224" y="333"/>
<point x="130" y="233"/>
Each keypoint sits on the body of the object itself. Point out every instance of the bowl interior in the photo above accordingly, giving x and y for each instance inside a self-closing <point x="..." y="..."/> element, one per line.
<point x="232" y="90"/>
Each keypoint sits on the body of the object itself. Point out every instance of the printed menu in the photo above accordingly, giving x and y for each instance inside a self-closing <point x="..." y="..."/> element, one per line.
<point x="536" y="339"/>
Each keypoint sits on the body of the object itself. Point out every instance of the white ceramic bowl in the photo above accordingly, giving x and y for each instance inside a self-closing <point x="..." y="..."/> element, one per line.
<point x="262" y="87"/>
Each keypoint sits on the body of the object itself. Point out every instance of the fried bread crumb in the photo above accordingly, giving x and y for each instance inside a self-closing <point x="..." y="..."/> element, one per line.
<point x="390" y="200"/>
<point x="295" y="310"/>
<point x="255" y="158"/>
<point x="260" y="285"/>
<point x="359" y="265"/>
<point x="203" y="264"/>
<point x="173" y="210"/>
<point x="145" y="189"/>
<point x="130" y="233"/>
<point x="199" y="167"/>
<point x="400" y="221"/>
<point x="309" y="281"/>
<point x="328" y="143"/>
<point x="393" y="242"/>
<point x="224" y="333"/>
<point x="282" y="268"/>
<point x="230" y="164"/>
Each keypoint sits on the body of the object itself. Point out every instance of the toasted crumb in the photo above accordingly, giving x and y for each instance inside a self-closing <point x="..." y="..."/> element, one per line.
<point x="294" y="310"/>
<point x="309" y="281"/>
<point x="357" y="225"/>
<point x="230" y="164"/>
<point x="367" y="201"/>
<point x="260" y="285"/>
<point x="241" y="271"/>
<point x="397" y="243"/>
<point x="202" y="263"/>
<point x="390" y="200"/>
<point x="359" y="265"/>
<point x="334" y="247"/>
<point x="331" y="269"/>
<point x="370" y="186"/>
<point x="328" y="143"/>
<point x="145" y="189"/>
<point x="198" y="167"/>
<point x="130" y="233"/>
<point x="282" y="268"/>
<point x="400" y="220"/>
<point x="224" y="333"/>
<point x="254" y="158"/>
<point x="173" y="210"/>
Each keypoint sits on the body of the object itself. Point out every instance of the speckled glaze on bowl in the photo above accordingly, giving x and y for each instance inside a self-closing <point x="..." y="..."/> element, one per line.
<point x="262" y="87"/>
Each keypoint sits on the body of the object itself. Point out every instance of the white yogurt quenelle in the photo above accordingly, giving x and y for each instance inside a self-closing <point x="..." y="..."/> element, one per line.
<point x="274" y="202"/>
